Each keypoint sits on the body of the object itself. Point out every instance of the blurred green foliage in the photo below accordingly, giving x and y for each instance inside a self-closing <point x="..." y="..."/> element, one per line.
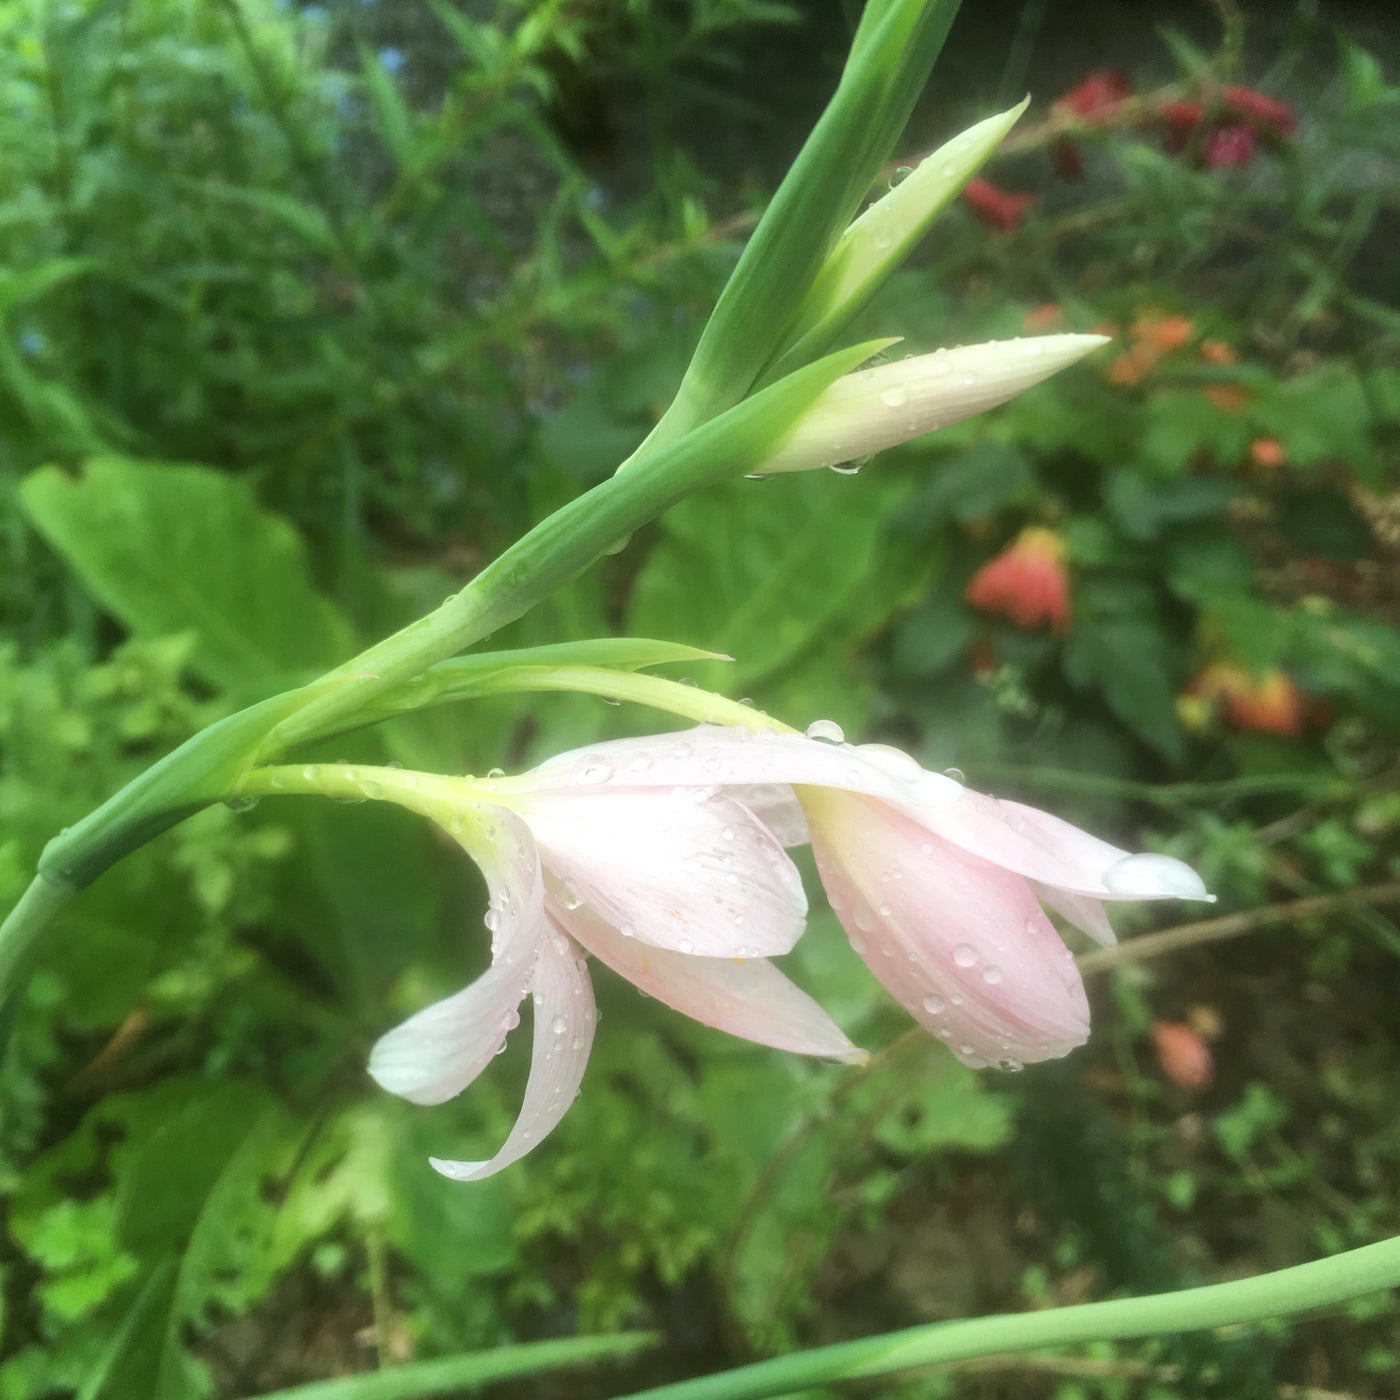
<point x="297" y="328"/>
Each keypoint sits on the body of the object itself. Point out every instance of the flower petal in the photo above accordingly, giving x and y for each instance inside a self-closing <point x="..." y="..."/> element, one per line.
<point x="1087" y="915"/>
<point x="961" y="943"/>
<point x="692" y="871"/>
<point x="437" y="1052"/>
<point x="1031" y="842"/>
<point x="565" y="1017"/>
<point x="747" y="997"/>
<point x="777" y="807"/>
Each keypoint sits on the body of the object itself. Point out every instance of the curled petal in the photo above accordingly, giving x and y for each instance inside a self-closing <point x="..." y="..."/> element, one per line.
<point x="437" y="1052"/>
<point x="777" y="807"/>
<point x="565" y="1017"/>
<point x="693" y="871"/>
<point x="1085" y="914"/>
<point x="962" y="944"/>
<point x="747" y="997"/>
<point x="1023" y="839"/>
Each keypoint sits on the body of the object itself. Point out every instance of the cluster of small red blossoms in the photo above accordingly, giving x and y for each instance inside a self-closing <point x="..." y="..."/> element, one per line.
<point x="1217" y="127"/>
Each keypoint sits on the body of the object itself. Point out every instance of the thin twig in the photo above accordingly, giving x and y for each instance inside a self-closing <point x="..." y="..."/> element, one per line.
<point x="1169" y="940"/>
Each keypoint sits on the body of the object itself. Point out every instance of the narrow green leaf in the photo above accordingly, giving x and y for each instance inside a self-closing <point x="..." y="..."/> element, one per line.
<point x="889" y="64"/>
<point x="16" y="288"/>
<point x="454" y="1373"/>
<point x="874" y="246"/>
<point x="395" y="119"/>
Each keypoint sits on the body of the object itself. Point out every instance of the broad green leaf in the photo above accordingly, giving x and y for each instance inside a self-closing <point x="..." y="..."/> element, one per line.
<point x="181" y="548"/>
<point x="1125" y="660"/>
<point x="760" y="571"/>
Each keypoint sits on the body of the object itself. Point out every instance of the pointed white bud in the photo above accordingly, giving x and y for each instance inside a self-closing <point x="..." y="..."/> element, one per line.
<point x="878" y="408"/>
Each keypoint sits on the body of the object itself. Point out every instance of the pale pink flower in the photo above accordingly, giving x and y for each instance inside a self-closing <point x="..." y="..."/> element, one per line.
<point x="663" y="857"/>
<point x="939" y="888"/>
<point x="681" y="889"/>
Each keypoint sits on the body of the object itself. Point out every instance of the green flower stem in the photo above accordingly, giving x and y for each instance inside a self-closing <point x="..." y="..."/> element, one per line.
<point x="675" y="697"/>
<point x="210" y="765"/>
<point x="568" y="541"/>
<point x="1282" y="1293"/>
<point x="37" y="907"/>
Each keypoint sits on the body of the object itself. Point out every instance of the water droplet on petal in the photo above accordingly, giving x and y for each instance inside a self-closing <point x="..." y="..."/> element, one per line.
<point x="965" y="955"/>
<point x="640" y="764"/>
<point x="558" y="1025"/>
<point x="685" y="946"/>
<point x="492" y="919"/>
<point x="626" y="930"/>
<point x="311" y="772"/>
<point x="992" y="974"/>
<point x="728" y="833"/>
<point x="895" y="396"/>
<point x="826" y="729"/>
<point x="956" y="774"/>
<point x="597" y="771"/>
<point x="496" y="773"/>
<point x="568" y="898"/>
<point x="1009" y="1065"/>
<point x="1154" y="877"/>
<point x="934" y="1004"/>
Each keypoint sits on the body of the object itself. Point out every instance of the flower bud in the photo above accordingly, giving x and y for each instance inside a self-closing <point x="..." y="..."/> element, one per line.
<point x="877" y="408"/>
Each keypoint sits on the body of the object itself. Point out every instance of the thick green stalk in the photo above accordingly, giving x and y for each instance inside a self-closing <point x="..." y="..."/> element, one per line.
<point x="207" y="767"/>
<point x="1282" y="1293"/>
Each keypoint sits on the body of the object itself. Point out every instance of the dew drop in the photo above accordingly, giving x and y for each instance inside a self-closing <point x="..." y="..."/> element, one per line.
<point x="640" y="764"/>
<point x="496" y="773"/>
<point x="311" y="772"/>
<point x="900" y="174"/>
<point x="685" y="946"/>
<point x="885" y="911"/>
<point x="934" y="1004"/>
<point x="558" y="1025"/>
<point x="1009" y="1064"/>
<point x="992" y="974"/>
<point x="965" y="955"/>
<point x="826" y="729"/>
<point x="896" y="396"/>
<point x="956" y="774"/>
<point x="969" y="379"/>
<point x="1154" y="877"/>
<point x="727" y="833"/>
<point x="597" y="772"/>
<point x="626" y="930"/>
<point x="568" y="898"/>
<point x="492" y="919"/>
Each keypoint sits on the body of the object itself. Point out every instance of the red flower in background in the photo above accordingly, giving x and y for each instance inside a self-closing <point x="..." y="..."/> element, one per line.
<point x="1182" y="119"/>
<point x="1002" y="210"/>
<point x="1027" y="582"/>
<point x="1266" y="112"/>
<point x="1228" y="146"/>
<point x="1265" y="704"/>
<point x="1182" y="1055"/>
<point x="1096" y="99"/>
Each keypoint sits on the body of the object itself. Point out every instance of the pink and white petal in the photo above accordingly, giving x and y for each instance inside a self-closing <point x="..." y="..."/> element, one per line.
<point x="691" y="871"/>
<point x="565" y="1018"/>
<point x="1086" y="914"/>
<point x="746" y="997"/>
<point x="1030" y="842"/>
<point x="1023" y="839"/>
<point x="961" y="943"/>
<point x="716" y="756"/>
<point x="777" y="807"/>
<point x="438" y="1051"/>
